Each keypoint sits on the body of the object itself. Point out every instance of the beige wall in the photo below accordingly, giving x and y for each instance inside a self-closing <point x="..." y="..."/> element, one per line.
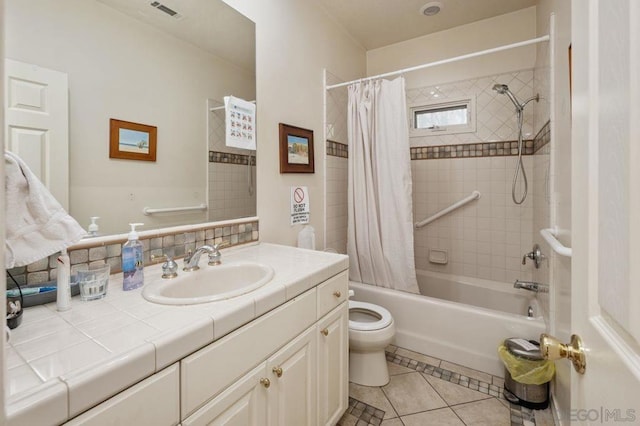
<point x="122" y="68"/>
<point x="295" y="40"/>
<point x="481" y="35"/>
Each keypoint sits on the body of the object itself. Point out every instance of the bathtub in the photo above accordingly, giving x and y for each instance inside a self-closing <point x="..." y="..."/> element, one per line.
<point x="459" y="319"/>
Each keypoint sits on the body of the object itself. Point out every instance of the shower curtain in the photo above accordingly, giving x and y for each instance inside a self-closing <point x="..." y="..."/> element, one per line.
<point x="380" y="211"/>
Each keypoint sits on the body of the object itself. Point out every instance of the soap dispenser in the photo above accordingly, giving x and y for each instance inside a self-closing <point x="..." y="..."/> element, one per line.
<point x="93" y="226"/>
<point x="132" y="261"/>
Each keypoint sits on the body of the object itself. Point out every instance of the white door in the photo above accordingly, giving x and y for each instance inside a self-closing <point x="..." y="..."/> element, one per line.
<point x="606" y="210"/>
<point x="37" y="123"/>
<point x="291" y="400"/>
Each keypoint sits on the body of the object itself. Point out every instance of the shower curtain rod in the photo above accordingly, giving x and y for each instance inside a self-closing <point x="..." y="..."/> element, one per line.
<point x="446" y="61"/>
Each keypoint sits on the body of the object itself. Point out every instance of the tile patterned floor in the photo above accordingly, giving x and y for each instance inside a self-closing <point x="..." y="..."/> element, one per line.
<point x="428" y="391"/>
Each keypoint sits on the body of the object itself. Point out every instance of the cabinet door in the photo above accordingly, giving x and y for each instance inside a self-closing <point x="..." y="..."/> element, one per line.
<point x="242" y="404"/>
<point x="291" y="400"/>
<point x="333" y="365"/>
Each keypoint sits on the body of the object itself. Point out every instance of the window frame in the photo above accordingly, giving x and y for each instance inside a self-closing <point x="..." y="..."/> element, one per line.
<point x="468" y="102"/>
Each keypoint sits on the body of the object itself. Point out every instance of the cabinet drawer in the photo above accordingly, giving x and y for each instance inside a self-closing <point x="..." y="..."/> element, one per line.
<point x="332" y="292"/>
<point x="153" y="401"/>
<point x="210" y="370"/>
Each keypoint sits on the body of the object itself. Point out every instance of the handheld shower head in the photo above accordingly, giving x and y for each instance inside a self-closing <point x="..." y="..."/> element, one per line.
<point x="500" y="88"/>
<point x="503" y="89"/>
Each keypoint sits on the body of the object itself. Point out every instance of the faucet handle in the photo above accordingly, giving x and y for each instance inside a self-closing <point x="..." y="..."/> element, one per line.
<point x="221" y="245"/>
<point x="536" y="255"/>
<point x="215" y="258"/>
<point x="169" y="268"/>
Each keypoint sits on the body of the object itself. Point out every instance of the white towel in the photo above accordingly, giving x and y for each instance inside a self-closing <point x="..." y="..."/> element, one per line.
<point x="36" y="224"/>
<point x="240" y="123"/>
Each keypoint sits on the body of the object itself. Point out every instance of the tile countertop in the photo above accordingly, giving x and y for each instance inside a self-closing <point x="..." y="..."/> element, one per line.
<point x="73" y="360"/>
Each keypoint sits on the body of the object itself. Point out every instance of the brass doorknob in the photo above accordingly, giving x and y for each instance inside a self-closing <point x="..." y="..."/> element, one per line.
<point x="265" y="382"/>
<point x="325" y="331"/>
<point x="337" y="294"/>
<point x="277" y="371"/>
<point x="552" y="349"/>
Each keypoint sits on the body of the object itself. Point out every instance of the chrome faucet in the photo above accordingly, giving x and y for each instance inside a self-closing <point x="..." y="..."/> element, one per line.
<point x="191" y="260"/>
<point x="531" y="286"/>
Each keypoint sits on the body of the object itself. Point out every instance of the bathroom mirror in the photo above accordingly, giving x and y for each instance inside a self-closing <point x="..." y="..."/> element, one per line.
<point x="167" y="64"/>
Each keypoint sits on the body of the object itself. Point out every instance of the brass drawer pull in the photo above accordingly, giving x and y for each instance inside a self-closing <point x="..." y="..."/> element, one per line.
<point x="277" y="371"/>
<point x="265" y="382"/>
<point x="325" y="331"/>
<point x="337" y="294"/>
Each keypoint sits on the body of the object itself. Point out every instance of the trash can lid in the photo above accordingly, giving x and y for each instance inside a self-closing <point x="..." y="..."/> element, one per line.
<point x="528" y="349"/>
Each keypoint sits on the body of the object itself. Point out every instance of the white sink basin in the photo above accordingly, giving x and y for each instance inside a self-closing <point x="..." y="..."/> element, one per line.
<point x="209" y="283"/>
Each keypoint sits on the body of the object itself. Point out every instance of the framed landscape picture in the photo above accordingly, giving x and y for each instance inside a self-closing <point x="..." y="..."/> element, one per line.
<point x="296" y="149"/>
<point x="132" y="141"/>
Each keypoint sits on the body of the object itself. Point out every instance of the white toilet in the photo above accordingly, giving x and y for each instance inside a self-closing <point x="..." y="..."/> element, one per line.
<point x="371" y="329"/>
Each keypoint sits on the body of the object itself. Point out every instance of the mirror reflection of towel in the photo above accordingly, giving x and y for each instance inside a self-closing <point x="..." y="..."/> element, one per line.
<point x="240" y="123"/>
<point x="36" y="225"/>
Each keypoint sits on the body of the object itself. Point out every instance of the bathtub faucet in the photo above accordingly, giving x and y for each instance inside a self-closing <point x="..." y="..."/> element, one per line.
<point x="531" y="286"/>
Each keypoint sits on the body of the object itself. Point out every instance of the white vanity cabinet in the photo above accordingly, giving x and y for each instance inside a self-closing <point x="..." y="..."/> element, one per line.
<point x="305" y="382"/>
<point x="280" y="391"/>
<point x="286" y="368"/>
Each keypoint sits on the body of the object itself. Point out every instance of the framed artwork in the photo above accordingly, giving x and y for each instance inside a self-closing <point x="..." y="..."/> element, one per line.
<point x="296" y="149"/>
<point x="132" y="141"/>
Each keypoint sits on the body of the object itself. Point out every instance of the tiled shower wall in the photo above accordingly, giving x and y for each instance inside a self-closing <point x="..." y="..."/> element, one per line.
<point x="487" y="238"/>
<point x="336" y="161"/>
<point x="232" y="181"/>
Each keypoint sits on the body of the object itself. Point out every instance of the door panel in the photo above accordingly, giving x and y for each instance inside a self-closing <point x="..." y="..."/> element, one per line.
<point x="606" y="208"/>
<point x="37" y="123"/>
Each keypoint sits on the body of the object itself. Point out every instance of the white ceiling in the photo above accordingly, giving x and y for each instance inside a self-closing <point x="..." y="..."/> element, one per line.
<point x="211" y="25"/>
<point x="378" y="23"/>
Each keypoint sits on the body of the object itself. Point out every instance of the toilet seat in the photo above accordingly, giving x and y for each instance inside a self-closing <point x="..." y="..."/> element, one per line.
<point x="374" y="310"/>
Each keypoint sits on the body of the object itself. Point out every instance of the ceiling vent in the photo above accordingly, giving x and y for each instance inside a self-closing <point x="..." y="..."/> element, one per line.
<point x="166" y="9"/>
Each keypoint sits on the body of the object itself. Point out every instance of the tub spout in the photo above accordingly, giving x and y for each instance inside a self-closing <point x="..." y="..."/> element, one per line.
<point x="531" y="286"/>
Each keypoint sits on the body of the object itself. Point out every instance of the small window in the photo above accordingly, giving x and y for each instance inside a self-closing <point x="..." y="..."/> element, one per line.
<point x="443" y="118"/>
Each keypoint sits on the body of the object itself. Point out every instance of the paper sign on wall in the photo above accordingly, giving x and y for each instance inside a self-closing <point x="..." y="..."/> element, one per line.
<point x="299" y="205"/>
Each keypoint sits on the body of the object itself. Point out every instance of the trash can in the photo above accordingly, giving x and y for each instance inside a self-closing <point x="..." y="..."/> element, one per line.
<point x="526" y="374"/>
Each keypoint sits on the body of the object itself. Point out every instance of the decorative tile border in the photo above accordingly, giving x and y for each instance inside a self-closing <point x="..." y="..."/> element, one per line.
<point x="520" y="416"/>
<point x="473" y="150"/>
<point x="337" y="149"/>
<point x="484" y="149"/>
<point x="363" y="413"/>
<point x="542" y="138"/>
<point x="449" y="376"/>
<point x="229" y="158"/>
<point x="174" y="244"/>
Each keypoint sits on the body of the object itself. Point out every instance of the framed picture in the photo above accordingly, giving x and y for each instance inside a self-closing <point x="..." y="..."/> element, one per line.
<point x="132" y="141"/>
<point x="296" y="149"/>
